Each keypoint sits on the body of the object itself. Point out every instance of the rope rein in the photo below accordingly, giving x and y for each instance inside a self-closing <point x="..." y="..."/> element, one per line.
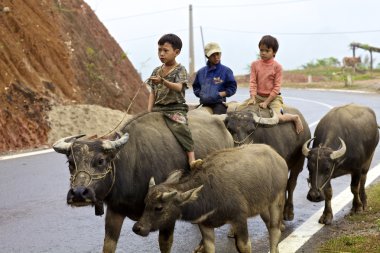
<point x="253" y="131"/>
<point x="129" y="107"/>
<point x="93" y="176"/>
<point x="316" y="174"/>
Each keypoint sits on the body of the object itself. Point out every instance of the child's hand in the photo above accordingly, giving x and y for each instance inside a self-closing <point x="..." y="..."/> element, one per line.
<point x="251" y="101"/>
<point x="156" y="79"/>
<point x="263" y="105"/>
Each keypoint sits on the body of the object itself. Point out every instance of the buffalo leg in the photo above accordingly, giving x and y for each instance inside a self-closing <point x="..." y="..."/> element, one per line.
<point x="114" y="222"/>
<point x="242" y="241"/>
<point x="291" y="185"/>
<point x="327" y="215"/>
<point x="363" y="195"/>
<point x="275" y="223"/>
<point x="208" y="238"/>
<point x="363" y="179"/>
<point x="357" y="205"/>
<point x="165" y="239"/>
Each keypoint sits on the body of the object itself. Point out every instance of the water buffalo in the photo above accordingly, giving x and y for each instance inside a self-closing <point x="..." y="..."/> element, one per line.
<point x="247" y="127"/>
<point x="344" y="143"/>
<point x="118" y="171"/>
<point x="229" y="186"/>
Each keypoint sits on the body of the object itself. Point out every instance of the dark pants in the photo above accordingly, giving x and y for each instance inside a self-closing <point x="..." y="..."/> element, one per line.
<point x="217" y="108"/>
<point x="179" y="127"/>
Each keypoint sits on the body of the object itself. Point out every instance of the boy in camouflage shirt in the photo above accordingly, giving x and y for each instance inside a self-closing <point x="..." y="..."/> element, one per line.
<point x="168" y="83"/>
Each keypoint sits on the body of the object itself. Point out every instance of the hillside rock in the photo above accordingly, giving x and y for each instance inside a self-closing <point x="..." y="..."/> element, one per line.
<point x="57" y="52"/>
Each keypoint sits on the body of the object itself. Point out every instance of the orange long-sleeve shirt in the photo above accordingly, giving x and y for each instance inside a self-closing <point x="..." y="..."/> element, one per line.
<point x="265" y="79"/>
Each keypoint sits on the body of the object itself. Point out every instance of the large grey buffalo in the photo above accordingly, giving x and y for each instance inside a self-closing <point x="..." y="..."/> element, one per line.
<point x="344" y="143"/>
<point x="117" y="172"/>
<point x="248" y="127"/>
<point x="229" y="186"/>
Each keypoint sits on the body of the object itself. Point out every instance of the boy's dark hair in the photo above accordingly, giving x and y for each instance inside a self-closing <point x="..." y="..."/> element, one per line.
<point x="172" y="39"/>
<point x="270" y="42"/>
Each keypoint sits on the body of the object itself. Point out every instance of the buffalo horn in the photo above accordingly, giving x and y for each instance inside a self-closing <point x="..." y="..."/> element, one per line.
<point x="340" y="152"/>
<point x="305" y="149"/>
<point x="152" y="182"/>
<point x="109" y="145"/>
<point x="168" y="195"/>
<point x="63" y="145"/>
<point x="266" y="121"/>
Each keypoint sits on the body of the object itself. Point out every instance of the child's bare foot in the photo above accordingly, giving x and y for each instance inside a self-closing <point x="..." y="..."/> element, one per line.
<point x="299" y="126"/>
<point x="197" y="164"/>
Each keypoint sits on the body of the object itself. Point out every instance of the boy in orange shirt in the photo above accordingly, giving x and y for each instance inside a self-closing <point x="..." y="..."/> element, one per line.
<point x="265" y="82"/>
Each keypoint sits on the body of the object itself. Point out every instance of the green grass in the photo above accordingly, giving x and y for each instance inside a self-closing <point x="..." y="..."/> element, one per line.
<point x="365" y="233"/>
<point x="353" y="244"/>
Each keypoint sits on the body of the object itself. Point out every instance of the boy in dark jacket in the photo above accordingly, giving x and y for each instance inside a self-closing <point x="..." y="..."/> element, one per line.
<point x="214" y="82"/>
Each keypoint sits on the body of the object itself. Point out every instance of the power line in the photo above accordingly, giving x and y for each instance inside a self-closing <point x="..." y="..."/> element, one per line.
<point x="255" y="32"/>
<point x="143" y="14"/>
<point x="205" y="6"/>
<point x="295" y="33"/>
<point x="153" y="36"/>
<point x="246" y="5"/>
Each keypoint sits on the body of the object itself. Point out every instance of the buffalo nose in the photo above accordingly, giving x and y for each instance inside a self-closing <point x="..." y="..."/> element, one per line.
<point x="136" y="228"/>
<point x="78" y="194"/>
<point x="314" y="196"/>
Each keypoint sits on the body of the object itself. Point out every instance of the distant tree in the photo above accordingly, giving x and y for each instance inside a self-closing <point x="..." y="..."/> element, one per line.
<point x="325" y="62"/>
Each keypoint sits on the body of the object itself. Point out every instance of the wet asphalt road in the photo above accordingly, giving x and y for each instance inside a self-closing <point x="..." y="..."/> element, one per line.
<point x="34" y="216"/>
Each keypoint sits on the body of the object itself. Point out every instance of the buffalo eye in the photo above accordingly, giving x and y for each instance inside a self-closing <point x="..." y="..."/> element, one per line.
<point x="158" y="209"/>
<point x="102" y="162"/>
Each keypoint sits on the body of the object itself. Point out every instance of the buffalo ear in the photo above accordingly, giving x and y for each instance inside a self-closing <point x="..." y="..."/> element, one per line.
<point x="190" y="195"/>
<point x="152" y="182"/>
<point x="174" y="177"/>
<point x="166" y="196"/>
<point x="227" y="118"/>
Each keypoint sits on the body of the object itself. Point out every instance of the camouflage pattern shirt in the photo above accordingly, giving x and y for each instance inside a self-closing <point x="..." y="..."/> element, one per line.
<point x="164" y="95"/>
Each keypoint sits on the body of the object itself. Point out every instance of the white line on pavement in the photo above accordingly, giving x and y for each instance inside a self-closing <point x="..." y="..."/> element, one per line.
<point x="39" y="152"/>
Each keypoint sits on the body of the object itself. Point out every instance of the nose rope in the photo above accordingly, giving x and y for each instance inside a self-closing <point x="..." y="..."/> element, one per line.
<point x="332" y="171"/>
<point x="93" y="176"/>
<point x="316" y="175"/>
<point x="253" y="131"/>
<point x="243" y="141"/>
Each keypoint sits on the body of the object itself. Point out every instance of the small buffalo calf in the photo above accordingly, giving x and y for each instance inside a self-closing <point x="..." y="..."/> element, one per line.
<point x="228" y="186"/>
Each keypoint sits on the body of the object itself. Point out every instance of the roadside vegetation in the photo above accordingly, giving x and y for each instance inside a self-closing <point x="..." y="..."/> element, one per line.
<point x="328" y="73"/>
<point x="361" y="232"/>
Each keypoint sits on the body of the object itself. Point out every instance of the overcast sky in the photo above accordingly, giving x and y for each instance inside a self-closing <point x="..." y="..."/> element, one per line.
<point x="306" y="29"/>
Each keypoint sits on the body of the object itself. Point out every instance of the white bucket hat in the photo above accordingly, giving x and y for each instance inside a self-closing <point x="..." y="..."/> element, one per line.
<point x="212" y="48"/>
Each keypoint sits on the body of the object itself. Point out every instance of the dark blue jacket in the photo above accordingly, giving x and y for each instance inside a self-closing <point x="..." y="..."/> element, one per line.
<point x="210" y="80"/>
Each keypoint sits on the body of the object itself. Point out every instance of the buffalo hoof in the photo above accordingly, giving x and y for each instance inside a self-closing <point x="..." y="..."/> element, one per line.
<point x="231" y="233"/>
<point x="288" y="213"/>
<point x="357" y="209"/>
<point x="200" y="248"/>
<point x="326" y="218"/>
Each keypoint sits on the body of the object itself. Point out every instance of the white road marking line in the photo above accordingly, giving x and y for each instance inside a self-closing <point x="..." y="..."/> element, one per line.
<point x="311" y="226"/>
<point x="311" y="101"/>
<point x="39" y="152"/>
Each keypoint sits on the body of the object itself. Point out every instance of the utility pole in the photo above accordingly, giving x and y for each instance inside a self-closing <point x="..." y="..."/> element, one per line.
<point x="203" y="45"/>
<point x="191" y="41"/>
